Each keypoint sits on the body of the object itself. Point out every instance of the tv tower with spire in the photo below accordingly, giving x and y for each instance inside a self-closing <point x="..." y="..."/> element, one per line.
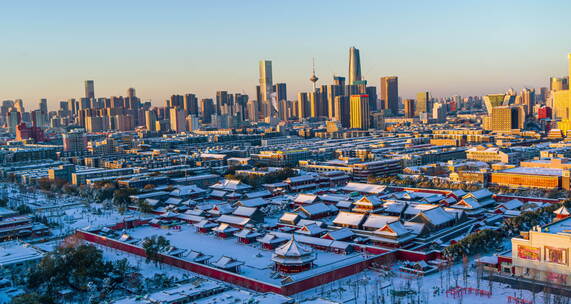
<point x="313" y="77"/>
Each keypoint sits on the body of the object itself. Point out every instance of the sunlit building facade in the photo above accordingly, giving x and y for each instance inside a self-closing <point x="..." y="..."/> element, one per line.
<point x="360" y="115"/>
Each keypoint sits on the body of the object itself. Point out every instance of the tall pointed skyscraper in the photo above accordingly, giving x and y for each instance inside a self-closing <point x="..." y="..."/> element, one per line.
<point x="354" y="66"/>
<point x="266" y="85"/>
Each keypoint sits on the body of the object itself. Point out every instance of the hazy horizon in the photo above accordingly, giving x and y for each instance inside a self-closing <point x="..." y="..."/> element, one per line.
<point x="186" y="47"/>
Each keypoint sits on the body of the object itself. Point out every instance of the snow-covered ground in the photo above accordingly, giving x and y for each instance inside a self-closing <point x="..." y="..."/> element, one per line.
<point x="93" y="216"/>
<point x="257" y="262"/>
<point x="367" y="287"/>
<point x="36" y="199"/>
<point x="71" y="213"/>
<point x="372" y="287"/>
<point x="148" y="270"/>
<point x="68" y="212"/>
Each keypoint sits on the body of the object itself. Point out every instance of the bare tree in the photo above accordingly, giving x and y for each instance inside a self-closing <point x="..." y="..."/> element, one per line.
<point x="355" y="287"/>
<point x="456" y="274"/>
<point x="490" y="281"/>
<point x="479" y="273"/>
<point x="418" y="282"/>
<point x="465" y="270"/>
<point x="441" y="275"/>
<point x="448" y="276"/>
<point x="546" y="295"/>
<point x="365" y="282"/>
<point x="340" y="289"/>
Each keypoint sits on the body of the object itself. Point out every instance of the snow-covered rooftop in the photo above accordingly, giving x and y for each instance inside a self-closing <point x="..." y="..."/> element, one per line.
<point x="257" y="263"/>
<point x="15" y="252"/>
<point x="364" y="188"/>
<point x="534" y="171"/>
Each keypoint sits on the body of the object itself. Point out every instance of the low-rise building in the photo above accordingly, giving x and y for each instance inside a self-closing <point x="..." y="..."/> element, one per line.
<point x="543" y="253"/>
<point x="359" y="171"/>
<point x="489" y="155"/>
<point x="286" y="158"/>
<point x="529" y="177"/>
<point x="17" y="259"/>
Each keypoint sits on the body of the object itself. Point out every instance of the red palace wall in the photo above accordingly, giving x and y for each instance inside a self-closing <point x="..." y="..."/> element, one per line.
<point x="423" y="190"/>
<point x="415" y="256"/>
<point x="334" y="275"/>
<point x="190" y="266"/>
<point x="504" y="198"/>
<point x="218" y="274"/>
<point x="497" y="197"/>
<point x="128" y="224"/>
<point x="401" y="254"/>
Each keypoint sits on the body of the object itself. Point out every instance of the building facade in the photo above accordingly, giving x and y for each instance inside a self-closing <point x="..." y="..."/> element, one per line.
<point x="360" y="115"/>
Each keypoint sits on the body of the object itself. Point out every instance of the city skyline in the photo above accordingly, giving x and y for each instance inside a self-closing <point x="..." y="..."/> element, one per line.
<point x="480" y="55"/>
<point x="285" y="151"/>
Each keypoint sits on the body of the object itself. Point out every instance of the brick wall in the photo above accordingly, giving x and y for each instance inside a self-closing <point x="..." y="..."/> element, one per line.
<point x="233" y="278"/>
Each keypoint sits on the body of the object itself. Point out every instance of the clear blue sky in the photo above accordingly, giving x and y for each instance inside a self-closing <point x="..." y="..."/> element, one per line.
<point x="468" y="47"/>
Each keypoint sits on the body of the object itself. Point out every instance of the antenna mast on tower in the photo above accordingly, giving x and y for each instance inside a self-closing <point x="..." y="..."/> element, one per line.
<point x="313" y="77"/>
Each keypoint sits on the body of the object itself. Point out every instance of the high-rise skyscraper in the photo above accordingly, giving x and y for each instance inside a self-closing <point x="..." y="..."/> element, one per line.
<point x="332" y="92"/>
<point x="150" y="120"/>
<point x="409" y="108"/>
<point x="542" y="96"/>
<point x="72" y="106"/>
<point x="558" y="83"/>
<point x="439" y="111"/>
<point x="342" y="110"/>
<point x="85" y="103"/>
<point x="372" y="92"/>
<point x="222" y="101"/>
<point x="192" y="122"/>
<point x="505" y="118"/>
<point x="562" y="101"/>
<point x="13" y="119"/>
<point x="314" y="104"/>
<point x="266" y="85"/>
<point x="496" y="100"/>
<point x="354" y="65"/>
<point x="422" y="103"/>
<point x="281" y="91"/>
<point x="207" y="108"/>
<point x="41" y="117"/>
<point x="19" y="105"/>
<point x="303" y="106"/>
<point x="339" y="80"/>
<point x="258" y="99"/>
<point x="176" y="101"/>
<point x="390" y="94"/>
<point x="177" y="120"/>
<point x="252" y="109"/>
<point x="528" y="100"/>
<point x="44" y="106"/>
<point x="284" y="109"/>
<point x="89" y="89"/>
<point x="360" y="114"/>
<point x="240" y="106"/>
<point x="190" y="104"/>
